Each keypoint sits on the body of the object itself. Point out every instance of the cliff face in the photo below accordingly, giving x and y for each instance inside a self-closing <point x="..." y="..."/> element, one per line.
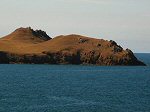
<point x="25" y="45"/>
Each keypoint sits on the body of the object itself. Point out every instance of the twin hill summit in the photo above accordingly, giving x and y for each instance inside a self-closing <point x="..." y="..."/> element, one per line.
<point x="26" y="45"/>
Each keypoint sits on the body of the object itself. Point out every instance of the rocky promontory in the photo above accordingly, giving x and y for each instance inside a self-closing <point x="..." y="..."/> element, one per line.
<point x="26" y="45"/>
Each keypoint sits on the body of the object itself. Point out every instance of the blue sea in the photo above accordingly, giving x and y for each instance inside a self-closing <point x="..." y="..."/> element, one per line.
<point x="75" y="88"/>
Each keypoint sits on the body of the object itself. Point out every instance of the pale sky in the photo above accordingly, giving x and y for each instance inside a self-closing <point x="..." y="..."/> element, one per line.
<point x="125" y="21"/>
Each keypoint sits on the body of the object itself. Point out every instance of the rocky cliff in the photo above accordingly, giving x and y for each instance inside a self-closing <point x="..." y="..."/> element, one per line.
<point x="25" y="45"/>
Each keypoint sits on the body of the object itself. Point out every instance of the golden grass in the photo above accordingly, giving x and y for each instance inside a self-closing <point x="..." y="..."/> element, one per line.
<point x="22" y="41"/>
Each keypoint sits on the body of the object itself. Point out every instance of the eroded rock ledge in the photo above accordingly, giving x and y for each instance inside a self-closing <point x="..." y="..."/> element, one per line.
<point x="85" y="58"/>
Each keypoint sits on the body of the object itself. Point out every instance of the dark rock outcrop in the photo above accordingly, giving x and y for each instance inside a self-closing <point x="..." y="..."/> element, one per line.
<point x="41" y="34"/>
<point x="3" y="58"/>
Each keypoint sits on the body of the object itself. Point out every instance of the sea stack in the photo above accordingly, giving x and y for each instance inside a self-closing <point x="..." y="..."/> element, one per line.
<point x="26" y="45"/>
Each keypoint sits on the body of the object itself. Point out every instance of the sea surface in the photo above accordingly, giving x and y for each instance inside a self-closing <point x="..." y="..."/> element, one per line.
<point x="75" y="88"/>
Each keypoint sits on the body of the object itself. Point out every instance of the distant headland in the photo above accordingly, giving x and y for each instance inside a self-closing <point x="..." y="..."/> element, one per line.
<point x="28" y="46"/>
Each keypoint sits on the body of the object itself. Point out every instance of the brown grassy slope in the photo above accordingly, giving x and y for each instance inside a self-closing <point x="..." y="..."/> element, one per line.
<point x="17" y="41"/>
<point x="23" y="41"/>
<point x="73" y="42"/>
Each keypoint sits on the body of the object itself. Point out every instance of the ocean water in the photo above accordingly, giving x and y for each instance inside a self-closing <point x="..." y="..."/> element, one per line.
<point x="75" y="88"/>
